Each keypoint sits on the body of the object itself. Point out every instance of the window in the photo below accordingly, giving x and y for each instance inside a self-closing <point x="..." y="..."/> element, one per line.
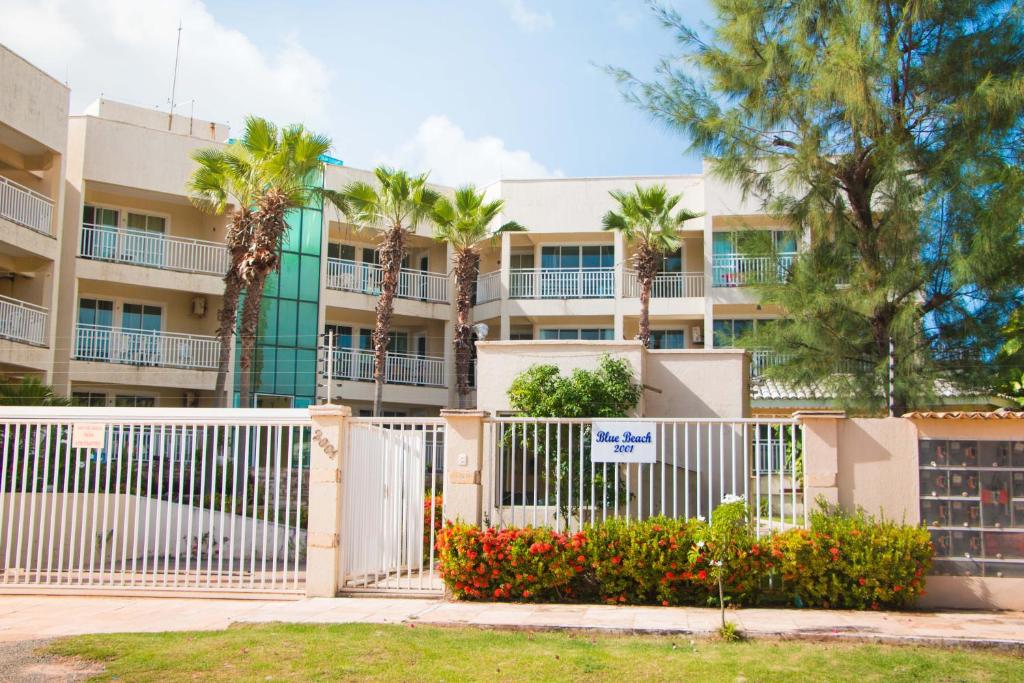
<point x="366" y="412"/>
<point x="342" y="335"/>
<point x="573" y="257"/>
<point x="95" y="312"/>
<point x="141" y="317"/>
<point x="95" y="215"/>
<point x="672" y="262"/>
<point x="522" y="261"/>
<point x="667" y="339"/>
<point x="583" y="334"/>
<point x="398" y="342"/>
<point x="730" y="242"/>
<point x="132" y="401"/>
<point x="341" y="251"/>
<point x="145" y="223"/>
<point x="88" y="398"/>
<point x="521" y="335"/>
<point x="728" y="332"/>
<point x="373" y="256"/>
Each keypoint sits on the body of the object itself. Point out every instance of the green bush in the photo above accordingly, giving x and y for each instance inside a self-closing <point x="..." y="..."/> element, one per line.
<point x="843" y="561"/>
<point x="853" y="561"/>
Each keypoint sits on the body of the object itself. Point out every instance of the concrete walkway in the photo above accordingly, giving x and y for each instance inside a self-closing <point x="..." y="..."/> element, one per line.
<point x="36" y="617"/>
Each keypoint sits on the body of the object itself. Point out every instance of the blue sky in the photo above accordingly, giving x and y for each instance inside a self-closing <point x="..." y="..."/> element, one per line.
<point x="472" y="89"/>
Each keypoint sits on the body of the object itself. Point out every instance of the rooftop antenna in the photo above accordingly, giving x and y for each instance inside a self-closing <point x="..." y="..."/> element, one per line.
<point x="174" y="78"/>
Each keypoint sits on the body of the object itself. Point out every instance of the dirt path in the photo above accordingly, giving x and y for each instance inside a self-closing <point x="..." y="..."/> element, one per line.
<point x="20" y="662"/>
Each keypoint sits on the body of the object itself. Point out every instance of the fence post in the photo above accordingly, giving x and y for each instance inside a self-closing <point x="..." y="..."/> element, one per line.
<point x="821" y="454"/>
<point x="325" y="490"/>
<point x="463" y="464"/>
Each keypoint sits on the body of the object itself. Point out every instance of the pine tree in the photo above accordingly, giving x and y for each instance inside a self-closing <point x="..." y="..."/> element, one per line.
<point x="889" y="134"/>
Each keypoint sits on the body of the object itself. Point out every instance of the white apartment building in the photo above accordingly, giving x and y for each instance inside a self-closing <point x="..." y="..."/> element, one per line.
<point x="110" y="281"/>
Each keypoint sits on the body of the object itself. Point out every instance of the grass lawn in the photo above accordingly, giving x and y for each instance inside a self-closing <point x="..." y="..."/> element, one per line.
<point x="402" y="653"/>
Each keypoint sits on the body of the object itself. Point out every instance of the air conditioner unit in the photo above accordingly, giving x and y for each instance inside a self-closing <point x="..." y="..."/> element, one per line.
<point x="199" y="306"/>
<point x="697" y="335"/>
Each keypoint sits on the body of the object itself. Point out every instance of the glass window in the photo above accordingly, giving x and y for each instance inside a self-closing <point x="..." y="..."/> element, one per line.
<point x="305" y="372"/>
<point x="342" y="335"/>
<point x="95" y="215"/>
<point x="131" y="401"/>
<point x="96" y="312"/>
<point x="291" y="241"/>
<point x="599" y="256"/>
<point x="398" y="342"/>
<point x="306" y="334"/>
<point x="88" y="398"/>
<point x="728" y="332"/>
<point x="586" y="334"/>
<point x="141" y="317"/>
<point x="522" y="335"/>
<point x="287" y="322"/>
<point x="145" y="223"/>
<point x="341" y="251"/>
<point x="309" y="278"/>
<point x="289" y="277"/>
<point x="521" y="261"/>
<point x="311" y="232"/>
<point x="667" y="339"/>
<point x="724" y="243"/>
<point x="673" y="262"/>
<point x="785" y="241"/>
<point x="284" y="380"/>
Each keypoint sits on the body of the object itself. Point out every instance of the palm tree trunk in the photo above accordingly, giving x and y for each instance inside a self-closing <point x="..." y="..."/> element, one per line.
<point x="467" y="267"/>
<point x="227" y="317"/>
<point x="392" y="251"/>
<point x="646" y="263"/>
<point x="250" y="326"/>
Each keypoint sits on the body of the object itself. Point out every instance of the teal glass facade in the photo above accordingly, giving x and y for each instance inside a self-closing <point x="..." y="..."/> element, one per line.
<point x="286" y="350"/>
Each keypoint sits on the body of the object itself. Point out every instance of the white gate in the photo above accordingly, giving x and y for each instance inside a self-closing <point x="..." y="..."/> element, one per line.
<point x="542" y="473"/>
<point x="392" y="505"/>
<point x="153" y="499"/>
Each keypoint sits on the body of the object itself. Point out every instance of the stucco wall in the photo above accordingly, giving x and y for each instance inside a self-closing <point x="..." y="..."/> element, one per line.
<point x="878" y="467"/>
<point x="33" y="103"/>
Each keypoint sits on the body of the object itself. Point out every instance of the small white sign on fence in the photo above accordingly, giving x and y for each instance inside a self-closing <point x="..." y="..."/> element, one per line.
<point x="88" y="435"/>
<point x="632" y="442"/>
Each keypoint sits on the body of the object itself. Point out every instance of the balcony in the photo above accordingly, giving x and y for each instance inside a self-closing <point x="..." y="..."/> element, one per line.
<point x="23" y="322"/>
<point x="739" y="270"/>
<point x="562" y="283"/>
<point x="665" y="285"/>
<point x="365" y="278"/>
<point x="488" y="287"/>
<point x="761" y="360"/>
<point x="401" y="368"/>
<point x="153" y="250"/>
<point x="146" y="347"/>
<point x="25" y="207"/>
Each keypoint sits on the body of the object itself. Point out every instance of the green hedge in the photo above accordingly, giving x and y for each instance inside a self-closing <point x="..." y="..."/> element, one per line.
<point x="843" y="560"/>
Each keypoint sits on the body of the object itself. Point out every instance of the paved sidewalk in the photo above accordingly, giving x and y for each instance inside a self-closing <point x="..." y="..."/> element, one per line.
<point x="35" y="617"/>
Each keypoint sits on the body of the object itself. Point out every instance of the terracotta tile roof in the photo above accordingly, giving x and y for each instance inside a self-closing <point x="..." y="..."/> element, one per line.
<point x="967" y="415"/>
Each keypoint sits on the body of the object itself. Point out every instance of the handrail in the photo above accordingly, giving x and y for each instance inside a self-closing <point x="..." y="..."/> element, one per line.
<point x="140" y="248"/>
<point x="24" y="322"/>
<point x="26" y="207"/>
<point x="739" y="270"/>
<point x="366" y="278"/>
<point x="488" y="287"/>
<point x="666" y="285"/>
<point x="562" y="283"/>
<point x="401" y="368"/>
<point x="146" y="347"/>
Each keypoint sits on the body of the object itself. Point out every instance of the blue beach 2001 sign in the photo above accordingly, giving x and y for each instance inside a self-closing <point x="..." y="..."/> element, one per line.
<point x="634" y="442"/>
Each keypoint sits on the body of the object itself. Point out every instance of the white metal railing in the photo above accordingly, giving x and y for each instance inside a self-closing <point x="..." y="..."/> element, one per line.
<point x="393" y="505"/>
<point x="665" y="285"/>
<point x="543" y="473"/>
<point x="365" y="278"/>
<point x="154" y="499"/>
<point x="738" y="270"/>
<point x="22" y="321"/>
<point x="562" y="283"/>
<point x="488" y="287"/>
<point x="146" y="347"/>
<point x="401" y="368"/>
<point x="761" y="359"/>
<point x="25" y="207"/>
<point x="152" y="250"/>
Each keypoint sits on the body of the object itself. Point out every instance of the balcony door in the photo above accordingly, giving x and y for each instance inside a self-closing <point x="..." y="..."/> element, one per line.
<point x="144" y="242"/>
<point x="95" y="320"/>
<point x="577" y="271"/>
<point x="99" y="232"/>
<point x="140" y="332"/>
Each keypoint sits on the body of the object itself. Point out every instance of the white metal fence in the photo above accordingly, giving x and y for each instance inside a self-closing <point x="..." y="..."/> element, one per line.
<point x="542" y="472"/>
<point x="146" y="347"/>
<point x="562" y="283"/>
<point x="393" y="505"/>
<point x="488" y="287"/>
<point x="738" y="270"/>
<point x="153" y="250"/>
<point x="665" y="285"/>
<point x="153" y="499"/>
<point x="365" y="278"/>
<point x="25" y="207"/>
<point x="22" y="321"/>
<point x="400" y="368"/>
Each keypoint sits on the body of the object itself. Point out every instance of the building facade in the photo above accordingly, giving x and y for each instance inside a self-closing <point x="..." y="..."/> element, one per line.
<point x="110" y="279"/>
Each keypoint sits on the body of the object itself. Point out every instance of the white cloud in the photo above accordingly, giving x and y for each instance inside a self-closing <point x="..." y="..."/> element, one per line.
<point x="441" y="147"/>
<point x="527" y="18"/>
<point x="124" y="49"/>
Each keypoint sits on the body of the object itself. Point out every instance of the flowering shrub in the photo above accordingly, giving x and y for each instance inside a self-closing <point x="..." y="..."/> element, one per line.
<point x="510" y="564"/>
<point x="852" y="561"/>
<point x="433" y="511"/>
<point x="842" y="561"/>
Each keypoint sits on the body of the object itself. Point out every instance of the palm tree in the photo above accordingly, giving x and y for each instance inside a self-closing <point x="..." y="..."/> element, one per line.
<point x="464" y="224"/>
<point x="646" y="221"/>
<point x="30" y="391"/>
<point x="265" y="173"/>
<point x="397" y="205"/>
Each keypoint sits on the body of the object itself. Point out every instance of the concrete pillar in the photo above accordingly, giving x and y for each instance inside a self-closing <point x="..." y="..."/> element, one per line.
<point x="327" y="445"/>
<point x="821" y="454"/>
<point x="621" y="265"/>
<point x="464" y="464"/>
<point x="505" y="325"/>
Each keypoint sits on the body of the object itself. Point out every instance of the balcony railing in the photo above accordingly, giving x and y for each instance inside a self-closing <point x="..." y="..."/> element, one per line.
<point x="739" y="270"/>
<point x="761" y="359"/>
<point x="665" y="285"/>
<point x="22" y="321"/>
<point x="562" y="283"/>
<point x="145" y="347"/>
<point x="26" y="207"/>
<point x="153" y="250"/>
<point x="488" y="287"/>
<point x="365" y="278"/>
<point x="401" y="368"/>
